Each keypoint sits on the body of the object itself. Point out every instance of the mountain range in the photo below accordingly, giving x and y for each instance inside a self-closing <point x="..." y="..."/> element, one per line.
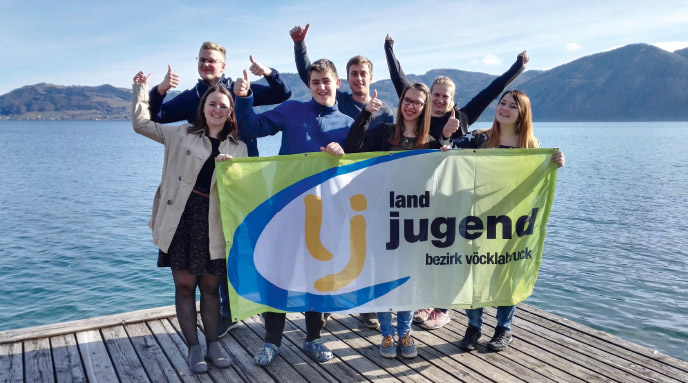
<point x="637" y="82"/>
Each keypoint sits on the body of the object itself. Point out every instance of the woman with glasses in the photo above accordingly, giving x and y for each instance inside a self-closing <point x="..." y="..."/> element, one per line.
<point x="410" y="132"/>
<point x="186" y="220"/>
<point x="446" y="115"/>
<point x="512" y="128"/>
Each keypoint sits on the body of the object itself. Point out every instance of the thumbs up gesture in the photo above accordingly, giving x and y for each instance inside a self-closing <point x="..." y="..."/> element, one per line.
<point x="257" y="69"/>
<point x="451" y="126"/>
<point x="298" y="33"/>
<point x="374" y="104"/>
<point x="170" y="81"/>
<point x="141" y="78"/>
<point x="242" y="86"/>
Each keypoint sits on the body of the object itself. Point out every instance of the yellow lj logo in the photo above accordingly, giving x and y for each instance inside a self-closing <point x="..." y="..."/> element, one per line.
<point x="357" y="242"/>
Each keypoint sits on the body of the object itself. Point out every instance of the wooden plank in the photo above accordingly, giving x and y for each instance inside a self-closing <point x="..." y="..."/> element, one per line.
<point x="97" y="363"/>
<point x="449" y="370"/>
<point x="11" y="363"/>
<point x="68" y="366"/>
<point x="366" y="341"/>
<point x="45" y="331"/>
<point x="528" y="355"/>
<point x="38" y="361"/>
<point x="635" y="354"/>
<point x="175" y="350"/>
<point x="151" y="355"/>
<point x="594" y="355"/>
<point x="123" y="355"/>
<point x="348" y="362"/>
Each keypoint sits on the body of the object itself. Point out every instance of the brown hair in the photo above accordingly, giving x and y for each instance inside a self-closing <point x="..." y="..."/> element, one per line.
<point x="322" y="66"/>
<point x="524" y="124"/>
<point x="230" y="127"/>
<point x="360" y="60"/>
<point x="423" y="124"/>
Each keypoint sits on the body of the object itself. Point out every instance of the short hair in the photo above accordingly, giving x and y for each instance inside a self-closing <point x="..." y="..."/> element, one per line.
<point x="322" y="66"/>
<point x="214" y="46"/>
<point x="360" y="60"/>
<point x="230" y="128"/>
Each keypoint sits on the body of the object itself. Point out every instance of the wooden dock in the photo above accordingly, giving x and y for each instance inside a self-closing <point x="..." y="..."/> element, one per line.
<point x="147" y="346"/>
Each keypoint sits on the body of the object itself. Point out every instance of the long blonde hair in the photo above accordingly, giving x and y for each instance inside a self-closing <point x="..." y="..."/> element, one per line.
<point x="524" y="124"/>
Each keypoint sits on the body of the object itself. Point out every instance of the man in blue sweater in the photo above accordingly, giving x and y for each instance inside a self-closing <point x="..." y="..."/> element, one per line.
<point x="306" y="127"/>
<point x="359" y="74"/>
<point x="211" y="66"/>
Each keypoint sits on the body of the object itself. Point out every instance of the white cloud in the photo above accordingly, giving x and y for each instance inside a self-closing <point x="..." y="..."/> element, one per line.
<point x="573" y="46"/>
<point x="491" y="60"/>
<point x="671" y="45"/>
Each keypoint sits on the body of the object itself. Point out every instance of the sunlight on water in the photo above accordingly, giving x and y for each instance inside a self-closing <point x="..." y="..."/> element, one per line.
<point x="76" y="198"/>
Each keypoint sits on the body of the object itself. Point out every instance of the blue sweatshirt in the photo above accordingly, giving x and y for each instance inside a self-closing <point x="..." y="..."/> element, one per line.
<point x="305" y="126"/>
<point x="185" y="105"/>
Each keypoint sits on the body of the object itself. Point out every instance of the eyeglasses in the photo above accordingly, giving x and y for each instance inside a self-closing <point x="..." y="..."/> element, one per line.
<point x="202" y="61"/>
<point x="407" y="101"/>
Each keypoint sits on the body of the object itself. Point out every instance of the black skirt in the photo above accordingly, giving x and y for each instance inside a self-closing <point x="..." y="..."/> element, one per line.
<point x="190" y="248"/>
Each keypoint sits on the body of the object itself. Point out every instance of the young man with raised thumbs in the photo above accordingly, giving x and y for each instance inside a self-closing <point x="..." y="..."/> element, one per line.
<point x="306" y="127"/>
<point x="211" y="65"/>
<point x="359" y="74"/>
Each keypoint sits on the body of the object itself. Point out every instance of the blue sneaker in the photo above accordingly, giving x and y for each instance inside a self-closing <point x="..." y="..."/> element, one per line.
<point x="387" y="348"/>
<point x="317" y="350"/>
<point x="267" y="353"/>
<point x="408" y="349"/>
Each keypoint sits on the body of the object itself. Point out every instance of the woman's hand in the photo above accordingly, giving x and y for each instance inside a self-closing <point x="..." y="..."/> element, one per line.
<point x="140" y="78"/>
<point x="223" y="157"/>
<point x="374" y="104"/>
<point x="333" y="148"/>
<point x="525" y="57"/>
<point x="558" y="157"/>
<point x="242" y="86"/>
<point x="451" y="126"/>
<point x="444" y="148"/>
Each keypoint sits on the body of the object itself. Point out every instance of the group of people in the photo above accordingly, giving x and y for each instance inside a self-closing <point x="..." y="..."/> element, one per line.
<point x="221" y="124"/>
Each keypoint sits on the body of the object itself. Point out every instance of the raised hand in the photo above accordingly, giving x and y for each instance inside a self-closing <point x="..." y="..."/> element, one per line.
<point x="374" y="104"/>
<point x="242" y="86"/>
<point x="140" y="78"/>
<point x="389" y="39"/>
<point x="524" y="56"/>
<point x="257" y="69"/>
<point x="298" y="34"/>
<point x="170" y="81"/>
<point x="451" y="126"/>
<point x="333" y="148"/>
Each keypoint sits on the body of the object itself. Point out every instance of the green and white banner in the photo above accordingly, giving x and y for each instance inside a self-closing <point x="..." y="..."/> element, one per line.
<point x="386" y="231"/>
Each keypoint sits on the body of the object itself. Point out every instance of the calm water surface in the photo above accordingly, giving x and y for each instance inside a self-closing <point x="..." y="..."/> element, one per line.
<point x="75" y="200"/>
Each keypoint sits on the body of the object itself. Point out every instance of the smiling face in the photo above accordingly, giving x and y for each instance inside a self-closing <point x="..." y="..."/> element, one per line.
<point x="442" y="98"/>
<point x="359" y="78"/>
<point x="507" y="113"/>
<point x="216" y="110"/>
<point x="323" y="86"/>
<point x="211" y="65"/>
<point x="412" y="104"/>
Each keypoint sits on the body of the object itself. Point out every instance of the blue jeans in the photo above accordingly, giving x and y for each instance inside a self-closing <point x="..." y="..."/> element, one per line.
<point x="225" y="312"/>
<point x="505" y="315"/>
<point x="404" y="319"/>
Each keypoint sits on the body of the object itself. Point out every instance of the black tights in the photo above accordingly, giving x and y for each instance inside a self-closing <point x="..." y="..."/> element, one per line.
<point x="185" y="303"/>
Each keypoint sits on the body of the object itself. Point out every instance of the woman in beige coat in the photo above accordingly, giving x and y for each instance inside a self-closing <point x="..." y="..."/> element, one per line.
<point x="186" y="213"/>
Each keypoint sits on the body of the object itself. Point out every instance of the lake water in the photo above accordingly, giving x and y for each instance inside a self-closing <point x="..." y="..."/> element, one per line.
<point x="75" y="200"/>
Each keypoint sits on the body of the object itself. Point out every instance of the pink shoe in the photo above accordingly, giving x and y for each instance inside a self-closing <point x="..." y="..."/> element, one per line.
<point x="437" y="319"/>
<point x="422" y="315"/>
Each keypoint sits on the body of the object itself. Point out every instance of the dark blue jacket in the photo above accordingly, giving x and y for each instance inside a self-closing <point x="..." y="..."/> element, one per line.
<point x="305" y="126"/>
<point x="185" y="105"/>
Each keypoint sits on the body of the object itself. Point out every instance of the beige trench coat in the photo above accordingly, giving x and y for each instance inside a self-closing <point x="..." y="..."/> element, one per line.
<point x="185" y="154"/>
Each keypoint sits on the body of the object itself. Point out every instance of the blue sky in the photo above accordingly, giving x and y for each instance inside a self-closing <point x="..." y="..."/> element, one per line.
<point x="106" y="42"/>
